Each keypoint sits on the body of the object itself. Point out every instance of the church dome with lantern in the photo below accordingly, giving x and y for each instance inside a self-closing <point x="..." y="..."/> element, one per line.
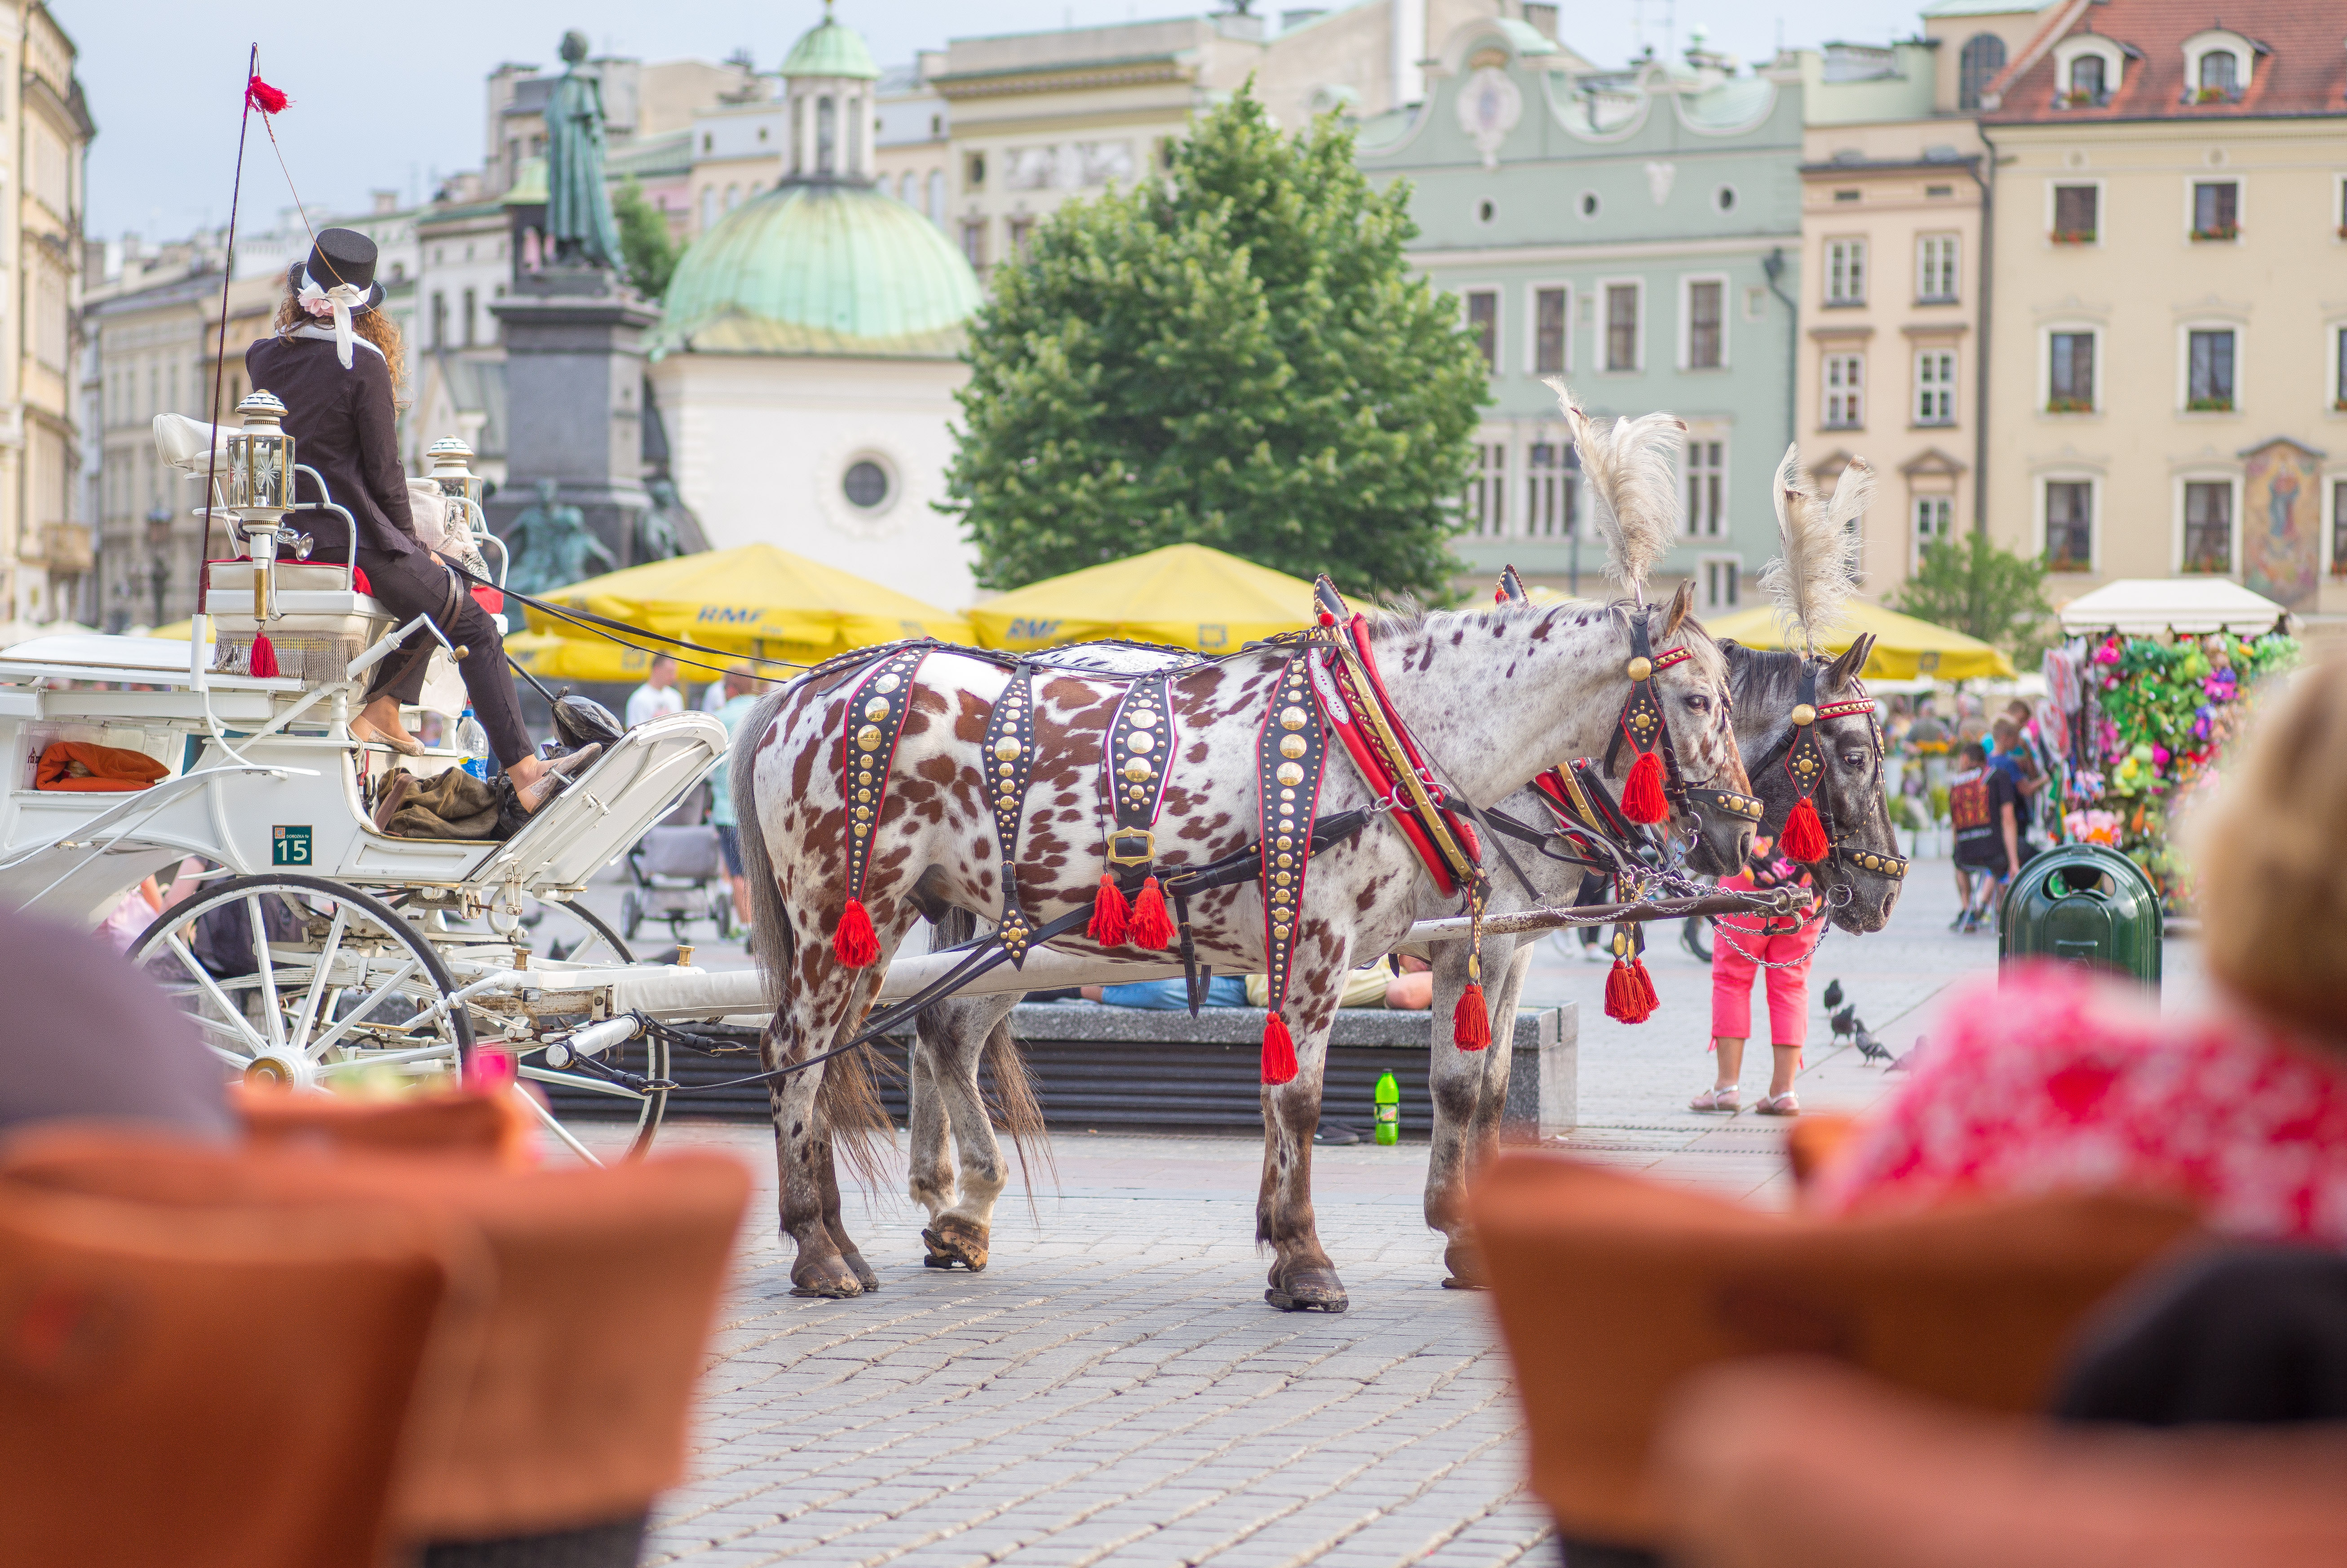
<point x="811" y="348"/>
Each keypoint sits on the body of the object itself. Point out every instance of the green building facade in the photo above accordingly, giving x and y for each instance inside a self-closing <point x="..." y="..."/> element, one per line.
<point x="1636" y="231"/>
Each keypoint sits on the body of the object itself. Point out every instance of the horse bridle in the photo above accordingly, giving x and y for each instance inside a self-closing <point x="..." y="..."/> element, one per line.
<point x="1803" y="757"/>
<point x="1644" y="724"/>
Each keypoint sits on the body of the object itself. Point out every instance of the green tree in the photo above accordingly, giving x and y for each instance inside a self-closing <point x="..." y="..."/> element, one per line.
<point x="1233" y="355"/>
<point x="1970" y="585"/>
<point x="644" y="241"/>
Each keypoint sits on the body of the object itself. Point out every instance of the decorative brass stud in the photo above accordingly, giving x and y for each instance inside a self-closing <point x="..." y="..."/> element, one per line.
<point x="886" y="684"/>
<point x="1140" y="742"/>
<point x="868" y="738"/>
<point x="1288" y="773"/>
<point x="1006" y="749"/>
<point x="1804" y="714"/>
<point x="1136" y="769"/>
<point x="1294" y="718"/>
<point x="1294" y="745"/>
<point x="1142" y="719"/>
<point x="877" y="709"/>
<point x="1280" y="932"/>
<point x="1641" y="668"/>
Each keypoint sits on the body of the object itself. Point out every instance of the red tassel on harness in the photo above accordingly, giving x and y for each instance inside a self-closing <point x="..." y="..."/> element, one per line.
<point x="856" y="944"/>
<point x="263" y="96"/>
<point x="1152" y="926"/>
<point x="1645" y="984"/>
<point x="1112" y="918"/>
<point x="1626" y="1001"/>
<point x="262" y="665"/>
<point x="1278" y="1051"/>
<point x="1642" y="792"/>
<point x="1804" y="837"/>
<point x="1471" y="1023"/>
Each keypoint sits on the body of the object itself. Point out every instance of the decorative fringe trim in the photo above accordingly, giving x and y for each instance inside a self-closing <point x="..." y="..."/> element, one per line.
<point x="1629" y="994"/>
<point x="1278" y="1051"/>
<point x="856" y="944"/>
<point x="1804" y="837"/>
<point x="1111" y="916"/>
<point x="1471" y="1023"/>
<point x="1152" y="926"/>
<point x="1642" y="792"/>
<point x="263" y="663"/>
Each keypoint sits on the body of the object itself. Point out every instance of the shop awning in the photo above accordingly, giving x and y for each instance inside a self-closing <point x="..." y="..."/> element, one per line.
<point x="2147" y="606"/>
<point x="1188" y="596"/>
<point x="1904" y="647"/>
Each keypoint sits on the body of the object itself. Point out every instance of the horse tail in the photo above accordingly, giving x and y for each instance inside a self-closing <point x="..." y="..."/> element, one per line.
<point x="772" y="948"/>
<point x="1013" y="1108"/>
<point x="863" y="1135"/>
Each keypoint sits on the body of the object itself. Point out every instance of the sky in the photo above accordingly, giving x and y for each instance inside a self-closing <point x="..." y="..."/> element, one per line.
<point x="389" y="97"/>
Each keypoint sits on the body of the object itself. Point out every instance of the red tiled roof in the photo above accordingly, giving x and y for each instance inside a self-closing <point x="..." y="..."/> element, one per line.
<point x="2301" y="70"/>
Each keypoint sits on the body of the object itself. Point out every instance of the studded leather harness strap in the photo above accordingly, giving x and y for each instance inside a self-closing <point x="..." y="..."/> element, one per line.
<point x="1008" y="754"/>
<point x="1802" y="755"/>
<point x="1291" y="757"/>
<point x="877" y="707"/>
<point x="1139" y="752"/>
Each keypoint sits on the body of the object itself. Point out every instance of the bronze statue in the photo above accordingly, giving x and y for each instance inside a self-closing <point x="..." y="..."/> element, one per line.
<point x="578" y="208"/>
<point x="551" y="546"/>
<point x="660" y="532"/>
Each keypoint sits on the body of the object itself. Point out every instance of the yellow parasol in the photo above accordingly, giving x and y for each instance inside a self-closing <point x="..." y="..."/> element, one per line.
<point x="755" y="601"/>
<point x="1185" y="595"/>
<point x="1904" y="647"/>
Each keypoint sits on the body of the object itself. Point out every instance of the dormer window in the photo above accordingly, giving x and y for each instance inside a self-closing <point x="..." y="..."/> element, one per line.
<point x="2219" y="72"/>
<point x="2086" y="80"/>
<point x="2217" y="65"/>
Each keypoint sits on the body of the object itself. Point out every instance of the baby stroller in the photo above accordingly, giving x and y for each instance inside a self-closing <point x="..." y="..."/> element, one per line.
<point x="675" y="871"/>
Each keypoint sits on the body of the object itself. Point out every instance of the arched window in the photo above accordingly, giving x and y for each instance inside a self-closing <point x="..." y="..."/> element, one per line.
<point x="826" y="136"/>
<point x="2218" y="72"/>
<point x="937" y="196"/>
<point x="2086" y="78"/>
<point x="708" y="206"/>
<point x="1983" y="58"/>
<point x="732" y="197"/>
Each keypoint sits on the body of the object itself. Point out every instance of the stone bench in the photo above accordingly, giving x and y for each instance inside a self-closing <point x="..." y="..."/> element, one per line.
<point x="1130" y="1068"/>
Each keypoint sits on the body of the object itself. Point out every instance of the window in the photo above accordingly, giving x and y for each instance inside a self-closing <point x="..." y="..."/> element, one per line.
<point x="2070" y="373"/>
<point x="1706" y="470"/>
<point x="1719" y="583"/>
<point x="1703" y="324"/>
<point x="470" y="312"/>
<point x="439" y="320"/>
<point x="973" y="171"/>
<point x="2086" y="81"/>
<point x="937" y="196"/>
<point x="2069" y="524"/>
<point x="1548" y="331"/>
<point x="732" y="197"/>
<point x="2075" y="214"/>
<point x="1845" y="391"/>
<point x="1933" y="515"/>
<point x="1487" y="491"/>
<point x="2209" y="526"/>
<point x="1552" y="490"/>
<point x="1936" y="269"/>
<point x="2209" y="372"/>
<point x="973" y="243"/>
<point x="1845" y="272"/>
<point x="826" y="136"/>
<point x="1484" y="325"/>
<point x="1935" y="386"/>
<point x="2220" y="73"/>
<point x="1621" y="326"/>
<point x="2216" y="204"/>
<point x="865" y="485"/>
<point x="2339" y="369"/>
<point x="1976" y="67"/>
<point x="1015" y="232"/>
<point x="2339" y="527"/>
<point x="708" y="206"/>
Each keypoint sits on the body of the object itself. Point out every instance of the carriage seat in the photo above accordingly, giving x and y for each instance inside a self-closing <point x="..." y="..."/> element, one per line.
<point x="323" y="625"/>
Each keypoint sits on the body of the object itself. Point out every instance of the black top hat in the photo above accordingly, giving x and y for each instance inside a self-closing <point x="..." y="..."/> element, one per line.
<point x="340" y="256"/>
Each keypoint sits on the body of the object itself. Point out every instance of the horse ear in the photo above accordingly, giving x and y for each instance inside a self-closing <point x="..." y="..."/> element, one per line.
<point x="1682" y="606"/>
<point x="1846" y="669"/>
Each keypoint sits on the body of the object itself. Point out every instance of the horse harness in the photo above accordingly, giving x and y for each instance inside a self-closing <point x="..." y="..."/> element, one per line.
<point x="1802" y="756"/>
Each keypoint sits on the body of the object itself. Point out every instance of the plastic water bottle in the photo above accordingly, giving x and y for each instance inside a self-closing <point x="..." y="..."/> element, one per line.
<point x="473" y="741"/>
<point x="1388" y="1101"/>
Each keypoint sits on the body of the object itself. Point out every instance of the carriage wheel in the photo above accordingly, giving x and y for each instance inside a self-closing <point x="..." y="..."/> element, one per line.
<point x="631" y="912"/>
<point x="600" y="933"/>
<point x="302" y="982"/>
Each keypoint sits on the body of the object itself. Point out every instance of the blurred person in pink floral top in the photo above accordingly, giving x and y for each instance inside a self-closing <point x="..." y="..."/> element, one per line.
<point x="2054" y="1080"/>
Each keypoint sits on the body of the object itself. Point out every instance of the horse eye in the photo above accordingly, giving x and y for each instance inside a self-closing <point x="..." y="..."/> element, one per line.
<point x="1853" y="758"/>
<point x="1699" y="702"/>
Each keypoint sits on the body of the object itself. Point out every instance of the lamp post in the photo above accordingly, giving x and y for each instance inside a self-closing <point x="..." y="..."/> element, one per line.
<point x="158" y="554"/>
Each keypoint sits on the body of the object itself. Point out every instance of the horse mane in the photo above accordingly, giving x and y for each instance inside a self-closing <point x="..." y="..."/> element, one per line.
<point x="1403" y="615"/>
<point x="1763" y="679"/>
<point x="1814" y="577"/>
<point x="1631" y="466"/>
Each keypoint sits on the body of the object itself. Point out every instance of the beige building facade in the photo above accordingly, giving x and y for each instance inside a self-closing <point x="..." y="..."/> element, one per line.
<point x="2169" y="363"/>
<point x="44" y="543"/>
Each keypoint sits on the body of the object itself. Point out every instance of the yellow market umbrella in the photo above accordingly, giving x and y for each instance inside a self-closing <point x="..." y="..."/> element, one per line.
<point x="756" y="600"/>
<point x="180" y="631"/>
<point x="1185" y="595"/>
<point x="1904" y="647"/>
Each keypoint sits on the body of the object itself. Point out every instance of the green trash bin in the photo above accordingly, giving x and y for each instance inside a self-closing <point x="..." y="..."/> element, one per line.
<point x="2085" y="903"/>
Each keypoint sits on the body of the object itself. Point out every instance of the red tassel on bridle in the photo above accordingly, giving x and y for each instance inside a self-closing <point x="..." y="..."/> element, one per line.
<point x="264" y="97"/>
<point x="1804" y="837"/>
<point x="1643" y="799"/>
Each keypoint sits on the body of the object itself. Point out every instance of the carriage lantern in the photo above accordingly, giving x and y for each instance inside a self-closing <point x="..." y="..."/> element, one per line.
<point x="261" y="489"/>
<point x="452" y="471"/>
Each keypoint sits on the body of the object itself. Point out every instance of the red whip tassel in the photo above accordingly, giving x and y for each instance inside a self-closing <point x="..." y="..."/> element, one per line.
<point x="1642" y="792"/>
<point x="1626" y="1000"/>
<point x="1804" y="837"/>
<point x="1111" y="920"/>
<point x="263" y="96"/>
<point x="1471" y="1024"/>
<point x="856" y="944"/>
<point x="263" y="662"/>
<point x="1152" y="926"/>
<point x="1278" y="1051"/>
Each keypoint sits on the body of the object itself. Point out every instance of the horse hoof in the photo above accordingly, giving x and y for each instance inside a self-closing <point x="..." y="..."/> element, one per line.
<point x="956" y="1241"/>
<point x="1454" y="1283"/>
<point x="832" y="1282"/>
<point x="1307" y="1290"/>
<point x="1465" y="1262"/>
<point x="865" y="1276"/>
<point x="1288" y="1303"/>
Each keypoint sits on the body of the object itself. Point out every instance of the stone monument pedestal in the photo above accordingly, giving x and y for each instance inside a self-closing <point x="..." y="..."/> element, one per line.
<point x="574" y="345"/>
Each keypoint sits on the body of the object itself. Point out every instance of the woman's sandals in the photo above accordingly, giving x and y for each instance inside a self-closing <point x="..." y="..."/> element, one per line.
<point x="366" y="733"/>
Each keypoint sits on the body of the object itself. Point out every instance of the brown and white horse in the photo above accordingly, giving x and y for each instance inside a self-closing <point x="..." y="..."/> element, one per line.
<point x="1495" y="697"/>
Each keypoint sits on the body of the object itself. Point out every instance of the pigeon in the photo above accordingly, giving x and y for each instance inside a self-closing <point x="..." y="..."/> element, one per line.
<point x="1870" y="1048"/>
<point x="1833" y="996"/>
<point x="1908" y="1060"/>
<point x="1845" y="1021"/>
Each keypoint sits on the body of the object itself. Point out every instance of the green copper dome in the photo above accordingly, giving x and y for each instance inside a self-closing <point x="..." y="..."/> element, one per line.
<point x="829" y="49"/>
<point x="820" y="269"/>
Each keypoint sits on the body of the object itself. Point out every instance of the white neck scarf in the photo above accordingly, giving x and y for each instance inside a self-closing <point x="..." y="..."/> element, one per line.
<point x="326" y="334"/>
<point x="338" y="300"/>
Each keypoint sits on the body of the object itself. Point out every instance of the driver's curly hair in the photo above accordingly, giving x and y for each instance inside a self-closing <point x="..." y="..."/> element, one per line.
<point x="377" y="326"/>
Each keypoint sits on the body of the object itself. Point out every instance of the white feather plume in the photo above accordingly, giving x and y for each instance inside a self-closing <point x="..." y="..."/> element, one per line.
<point x="1812" y="580"/>
<point x="1632" y="467"/>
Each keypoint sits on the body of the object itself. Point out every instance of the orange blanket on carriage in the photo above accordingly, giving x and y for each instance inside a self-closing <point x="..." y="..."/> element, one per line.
<point x="77" y="764"/>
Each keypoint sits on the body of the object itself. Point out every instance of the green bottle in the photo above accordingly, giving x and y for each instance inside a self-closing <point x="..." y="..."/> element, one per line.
<point x="1388" y="1098"/>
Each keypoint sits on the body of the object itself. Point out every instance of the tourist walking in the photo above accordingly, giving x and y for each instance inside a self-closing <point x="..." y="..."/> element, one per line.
<point x="1780" y="947"/>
